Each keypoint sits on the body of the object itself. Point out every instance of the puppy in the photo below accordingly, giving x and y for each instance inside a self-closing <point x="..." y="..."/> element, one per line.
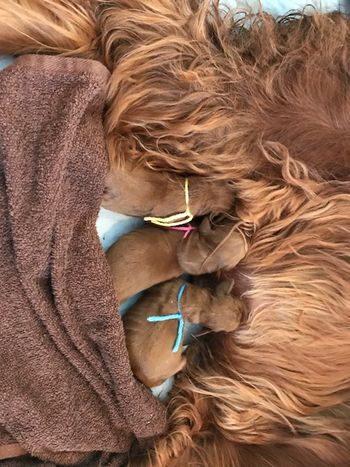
<point x="138" y="191"/>
<point x="151" y="344"/>
<point x="165" y="254"/>
<point x="151" y="255"/>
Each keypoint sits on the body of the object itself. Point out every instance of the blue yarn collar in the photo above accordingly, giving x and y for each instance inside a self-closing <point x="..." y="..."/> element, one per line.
<point x="178" y="316"/>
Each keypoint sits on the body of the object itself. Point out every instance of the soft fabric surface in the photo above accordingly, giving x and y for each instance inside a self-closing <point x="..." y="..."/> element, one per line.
<point x="5" y="61"/>
<point x="110" y="227"/>
<point x="281" y="7"/>
<point x="66" y="385"/>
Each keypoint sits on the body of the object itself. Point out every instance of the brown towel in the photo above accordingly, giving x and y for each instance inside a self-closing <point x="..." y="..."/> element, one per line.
<point x="66" y="388"/>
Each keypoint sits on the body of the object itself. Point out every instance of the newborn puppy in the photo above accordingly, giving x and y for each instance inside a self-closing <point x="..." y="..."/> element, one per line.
<point x="151" y="255"/>
<point x="137" y="191"/>
<point x="150" y="344"/>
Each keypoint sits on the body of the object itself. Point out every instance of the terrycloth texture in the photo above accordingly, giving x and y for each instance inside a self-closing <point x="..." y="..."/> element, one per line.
<point x="66" y="385"/>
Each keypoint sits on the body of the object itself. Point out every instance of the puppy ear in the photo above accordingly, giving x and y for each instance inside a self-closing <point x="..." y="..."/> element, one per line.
<point x="224" y="288"/>
<point x="205" y="227"/>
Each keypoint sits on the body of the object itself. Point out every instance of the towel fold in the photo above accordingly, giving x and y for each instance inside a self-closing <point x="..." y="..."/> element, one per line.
<point x="67" y="393"/>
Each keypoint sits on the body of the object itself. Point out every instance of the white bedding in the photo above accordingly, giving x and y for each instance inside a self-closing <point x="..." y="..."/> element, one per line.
<point x="281" y="7"/>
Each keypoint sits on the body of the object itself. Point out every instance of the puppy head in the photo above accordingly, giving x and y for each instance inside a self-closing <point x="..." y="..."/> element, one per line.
<point x="212" y="248"/>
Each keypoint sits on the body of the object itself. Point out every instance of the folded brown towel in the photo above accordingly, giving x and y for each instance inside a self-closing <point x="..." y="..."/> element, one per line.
<point x="66" y="388"/>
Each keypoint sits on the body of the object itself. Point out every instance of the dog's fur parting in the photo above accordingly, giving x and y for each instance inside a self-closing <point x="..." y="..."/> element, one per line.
<point x="267" y="108"/>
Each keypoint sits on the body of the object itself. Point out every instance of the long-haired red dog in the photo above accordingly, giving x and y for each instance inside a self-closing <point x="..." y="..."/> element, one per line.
<point x="264" y="105"/>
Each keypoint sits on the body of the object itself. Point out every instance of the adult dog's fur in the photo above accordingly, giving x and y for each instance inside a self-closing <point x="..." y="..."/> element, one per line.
<point x="267" y="108"/>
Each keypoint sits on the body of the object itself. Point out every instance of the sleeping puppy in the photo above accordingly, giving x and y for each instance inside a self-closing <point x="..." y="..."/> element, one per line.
<point x="151" y="255"/>
<point x="151" y="344"/>
<point x="138" y="191"/>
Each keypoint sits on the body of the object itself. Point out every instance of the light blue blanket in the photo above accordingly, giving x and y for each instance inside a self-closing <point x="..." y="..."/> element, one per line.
<point x="5" y="61"/>
<point x="281" y="7"/>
